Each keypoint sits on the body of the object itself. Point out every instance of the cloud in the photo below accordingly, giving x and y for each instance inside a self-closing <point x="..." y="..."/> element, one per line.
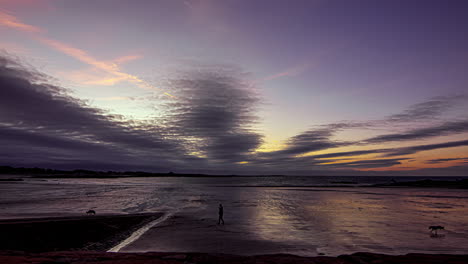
<point x="430" y="109"/>
<point x="448" y="128"/>
<point x="91" y="76"/>
<point x="210" y="128"/>
<point x="126" y="58"/>
<point x="214" y="113"/>
<point x="321" y="138"/>
<point x="388" y="152"/>
<point x="308" y="141"/>
<point x="349" y="153"/>
<point x="437" y="161"/>
<point x="416" y="149"/>
<point x="11" y="21"/>
<point x="211" y="124"/>
<point x="45" y="120"/>
<point x="427" y="112"/>
<point x="112" y="68"/>
<point x="290" y="72"/>
<point x="316" y="139"/>
<point x="368" y="163"/>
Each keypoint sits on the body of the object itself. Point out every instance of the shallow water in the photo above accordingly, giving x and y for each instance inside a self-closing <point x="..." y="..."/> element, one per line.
<point x="259" y="220"/>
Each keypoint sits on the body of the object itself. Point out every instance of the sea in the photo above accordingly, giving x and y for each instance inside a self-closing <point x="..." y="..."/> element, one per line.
<point x="306" y="216"/>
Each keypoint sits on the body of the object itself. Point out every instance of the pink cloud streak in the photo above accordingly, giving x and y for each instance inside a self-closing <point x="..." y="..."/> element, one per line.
<point x="112" y="68"/>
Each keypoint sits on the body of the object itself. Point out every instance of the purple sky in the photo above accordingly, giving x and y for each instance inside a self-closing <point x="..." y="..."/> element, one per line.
<point x="290" y="87"/>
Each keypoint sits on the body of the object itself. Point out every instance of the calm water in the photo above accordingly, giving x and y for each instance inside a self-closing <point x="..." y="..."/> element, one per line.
<point x="263" y="215"/>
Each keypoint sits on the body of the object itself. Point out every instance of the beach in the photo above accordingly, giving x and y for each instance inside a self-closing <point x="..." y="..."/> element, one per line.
<point x="85" y="239"/>
<point x="186" y="233"/>
<point x="233" y="131"/>
<point x="263" y="216"/>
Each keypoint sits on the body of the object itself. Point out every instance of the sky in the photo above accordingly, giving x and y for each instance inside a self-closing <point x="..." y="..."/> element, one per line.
<point x="313" y="87"/>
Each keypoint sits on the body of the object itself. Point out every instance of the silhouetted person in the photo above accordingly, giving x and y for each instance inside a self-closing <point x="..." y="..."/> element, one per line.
<point x="220" y="213"/>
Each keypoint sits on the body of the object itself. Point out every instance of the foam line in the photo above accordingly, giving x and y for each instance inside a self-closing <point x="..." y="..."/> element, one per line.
<point x="138" y="233"/>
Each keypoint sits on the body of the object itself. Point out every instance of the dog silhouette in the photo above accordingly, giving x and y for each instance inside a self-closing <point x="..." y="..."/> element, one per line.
<point x="435" y="228"/>
<point x="91" y="212"/>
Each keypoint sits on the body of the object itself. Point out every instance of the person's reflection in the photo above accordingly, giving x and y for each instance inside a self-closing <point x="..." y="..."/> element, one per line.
<point x="220" y="214"/>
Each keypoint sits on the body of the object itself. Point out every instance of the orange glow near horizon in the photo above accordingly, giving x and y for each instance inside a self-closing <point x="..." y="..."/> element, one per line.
<point x="415" y="161"/>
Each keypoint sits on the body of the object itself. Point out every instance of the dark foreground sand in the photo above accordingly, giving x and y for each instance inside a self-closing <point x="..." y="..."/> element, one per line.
<point x="89" y="257"/>
<point x="84" y="239"/>
<point x="99" y="232"/>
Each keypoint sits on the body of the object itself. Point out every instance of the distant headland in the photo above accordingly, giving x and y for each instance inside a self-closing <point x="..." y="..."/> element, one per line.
<point x="80" y="173"/>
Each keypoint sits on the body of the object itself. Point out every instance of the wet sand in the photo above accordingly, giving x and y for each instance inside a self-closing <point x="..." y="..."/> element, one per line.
<point x="300" y="221"/>
<point x="94" y="232"/>
<point x="185" y="233"/>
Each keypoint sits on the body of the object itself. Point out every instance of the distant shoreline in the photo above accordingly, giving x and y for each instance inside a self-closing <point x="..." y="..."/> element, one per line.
<point x="426" y="183"/>
<point x="18" y="175"/>
<point x="80" y="173"/>
<point x="52" y="173"/>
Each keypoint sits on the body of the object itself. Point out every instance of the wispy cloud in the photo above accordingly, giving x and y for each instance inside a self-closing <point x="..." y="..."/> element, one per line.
<point x="430" y="109"/>
<point x="437" y="161"/>
<point x="92" y="76"/>
<point x="112" y="68"/>
<point x="11" y="21"/>
<point x="369" y="163"/>
<point x="349" y="153"/>
<point x="427" y="147"/>
<point x="290" y="72"/>
<point x="126" y="58"/>
<point x="391" y="152"/>
<point x="448" y="128"/>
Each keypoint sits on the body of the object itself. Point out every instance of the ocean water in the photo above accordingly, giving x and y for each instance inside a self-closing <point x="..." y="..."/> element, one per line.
<point x="298" y="215"/>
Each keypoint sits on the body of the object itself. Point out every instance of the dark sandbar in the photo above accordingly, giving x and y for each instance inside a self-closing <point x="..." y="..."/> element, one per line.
<point x="99" y="232"/>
